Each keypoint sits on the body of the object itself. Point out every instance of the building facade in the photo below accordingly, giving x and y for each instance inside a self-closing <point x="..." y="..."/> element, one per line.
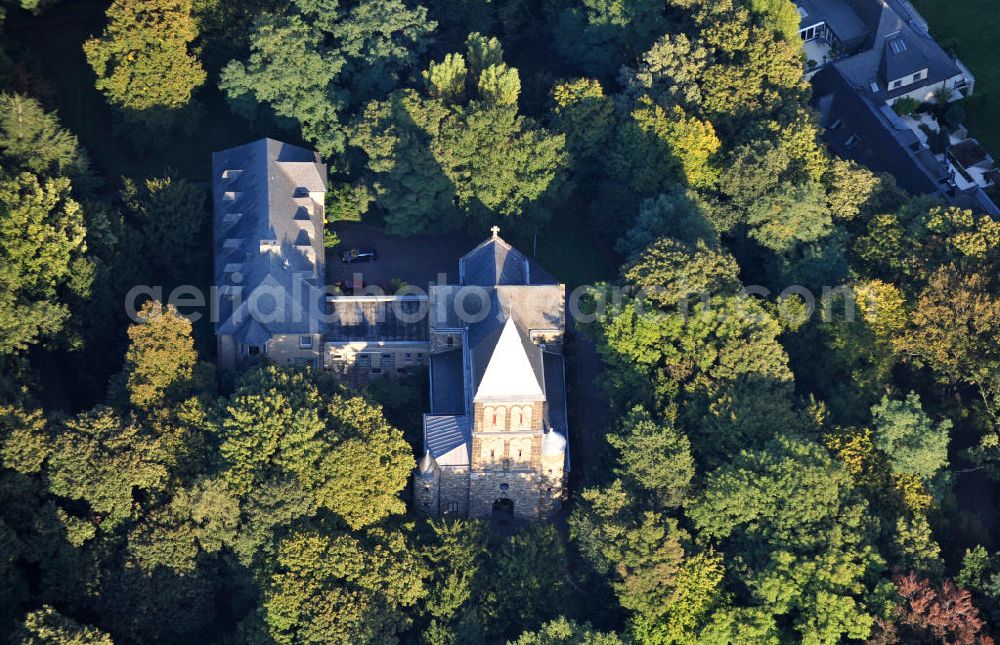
<point x="495" y="437"/>
<point x="270" y="264"/>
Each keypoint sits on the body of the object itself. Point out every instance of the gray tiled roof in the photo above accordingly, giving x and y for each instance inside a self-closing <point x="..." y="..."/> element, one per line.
<point x="555" y="391"/>
<point x="448" y="438"/>
<point x="368" y="319"/>
<point x="268" y="237"/>
<point x="839" y="15"/>
<point x="873" y="137"/>
<point x="883" y="62"/>
<point x="494" y="262"/>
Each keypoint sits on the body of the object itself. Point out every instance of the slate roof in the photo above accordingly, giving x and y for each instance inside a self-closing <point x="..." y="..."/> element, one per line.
<point x="448" y="383"/>
<point x="899" y="47"/>
<point x="839" y="15"/>
<point x="874" y="136"/>
<point x="352" y="319"/>
<point x="268" y="239"/>
<point x="448" y="438"/>
<point x="555" y="391"/>
<point x="495" y="262"/>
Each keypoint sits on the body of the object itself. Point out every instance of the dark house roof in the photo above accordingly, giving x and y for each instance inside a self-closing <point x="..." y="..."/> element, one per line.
<point x="268" y="239"/>
<point x="838" y="15"/>
<point x="899" y="47"/>
<point x="874" y="136"/>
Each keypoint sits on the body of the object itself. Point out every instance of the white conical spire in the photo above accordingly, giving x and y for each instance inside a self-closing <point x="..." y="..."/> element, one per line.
<point x="427" y="463"/>
<point x="509" y="375"/>
<point x="553" y="443"/>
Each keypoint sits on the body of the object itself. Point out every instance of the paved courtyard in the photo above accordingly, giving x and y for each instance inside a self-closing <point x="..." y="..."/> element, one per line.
<point x="415" y="260"/>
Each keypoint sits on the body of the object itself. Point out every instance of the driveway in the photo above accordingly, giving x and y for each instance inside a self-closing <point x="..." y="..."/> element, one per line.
<point x="414" y="260"/>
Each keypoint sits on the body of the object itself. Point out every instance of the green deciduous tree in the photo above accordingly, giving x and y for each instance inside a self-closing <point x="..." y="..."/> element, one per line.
<point x="913" y="442"/>
<point x="338" y="451"/>
<point x="446" y="80"/>
<point x="169" y="212"/>
<point x="675" y="214"/>
<point x="793" y="518"/>
<point x="654" y="457"/>
<point x="499" y="85"/>
<point x="46" y="626"/>
<point x="42" y="260"/>
<point x="33" y="140"/>
<point x="791" y="215"/>
<point x="341" y="589"/>
<point x="104" y="460"/>
<point x="562" y="631"/>
<point x="143" y="60"/>
<point x="311" y="64"/>
<point x="439" y="168"/>
<point x="585" y="115"/>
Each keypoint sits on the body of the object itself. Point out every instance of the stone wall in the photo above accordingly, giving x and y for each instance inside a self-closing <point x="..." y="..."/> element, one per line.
<point x="426" y="492"/>
<point x="521" y="487"/>
<point x="286" y="349"/>
<point x="440" y="341"/>
<point x="454" y="487"/>
<point x="409" y="357"/>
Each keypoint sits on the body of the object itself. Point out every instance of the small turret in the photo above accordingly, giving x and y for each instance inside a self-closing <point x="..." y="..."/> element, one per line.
<point x="426" y="485"/>
<point x="553" y="472"/>
<point x="427" y="465"/>
<point x="553" y="443"/>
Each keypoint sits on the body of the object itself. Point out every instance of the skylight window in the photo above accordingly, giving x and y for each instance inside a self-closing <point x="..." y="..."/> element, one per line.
<point x="898" y="46"/>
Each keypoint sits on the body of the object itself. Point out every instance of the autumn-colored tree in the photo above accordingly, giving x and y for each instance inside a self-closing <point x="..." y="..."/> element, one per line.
<point x="160" y="361"/>
<point x="143" y="59"/>
<point x="938" y="613"/>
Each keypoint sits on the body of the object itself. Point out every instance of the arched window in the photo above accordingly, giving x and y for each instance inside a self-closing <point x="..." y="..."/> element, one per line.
<point x="520" y="452"/>
<point x="520" y="417"/>
<point x="494" y="419"/>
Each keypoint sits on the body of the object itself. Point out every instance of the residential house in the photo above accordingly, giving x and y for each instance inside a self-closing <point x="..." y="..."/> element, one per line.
<point x="864" y="56"/>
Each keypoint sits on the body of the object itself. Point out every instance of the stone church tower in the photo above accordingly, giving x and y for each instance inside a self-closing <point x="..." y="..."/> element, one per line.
<point x="495" y="439"/>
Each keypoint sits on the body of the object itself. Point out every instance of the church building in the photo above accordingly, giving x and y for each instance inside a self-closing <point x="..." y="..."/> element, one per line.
<point x="495" y="437"/>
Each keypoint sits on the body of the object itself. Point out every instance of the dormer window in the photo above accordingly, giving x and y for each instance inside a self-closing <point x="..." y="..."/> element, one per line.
<point x="231" y="174"/>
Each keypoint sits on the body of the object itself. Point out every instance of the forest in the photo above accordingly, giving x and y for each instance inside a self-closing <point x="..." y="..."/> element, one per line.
<point x="776" y="468"/>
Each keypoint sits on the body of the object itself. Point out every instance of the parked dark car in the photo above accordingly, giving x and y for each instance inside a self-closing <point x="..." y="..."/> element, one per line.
<point x="358" y="255"/>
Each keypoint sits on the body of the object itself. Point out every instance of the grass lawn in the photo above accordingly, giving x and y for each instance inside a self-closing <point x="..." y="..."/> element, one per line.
<point x="974" y="24"/>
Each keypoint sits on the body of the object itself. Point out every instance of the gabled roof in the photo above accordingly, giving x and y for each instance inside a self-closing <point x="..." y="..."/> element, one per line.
<point x="268" y="236"/>
<point x="494" y="262"/>
<point x="899" y="47"/>
<point x="511" y="374"/>
<point x="899" y="59"/>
